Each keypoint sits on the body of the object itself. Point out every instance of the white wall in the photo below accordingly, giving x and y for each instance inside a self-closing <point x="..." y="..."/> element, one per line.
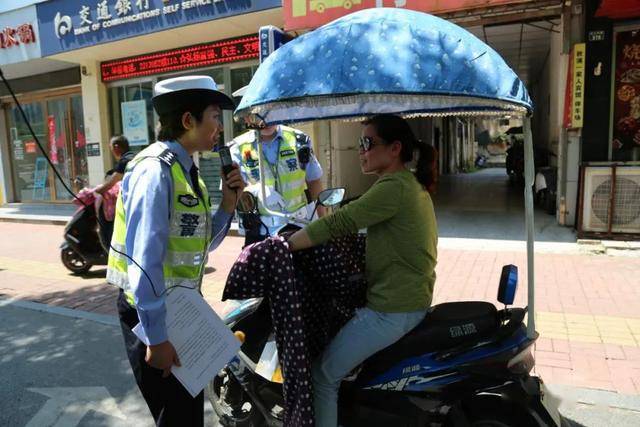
<point x="345" y="159"/>
<point x="549" y="99"/>
<point x="96" y="121"/>
<point x="5" y="169"/>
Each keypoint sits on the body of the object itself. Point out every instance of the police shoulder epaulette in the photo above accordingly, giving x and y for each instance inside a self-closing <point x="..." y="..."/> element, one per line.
<point x="168" y="157"/>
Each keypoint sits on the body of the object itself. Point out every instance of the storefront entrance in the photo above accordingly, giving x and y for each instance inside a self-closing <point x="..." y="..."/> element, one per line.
<point x="57" y="121"/>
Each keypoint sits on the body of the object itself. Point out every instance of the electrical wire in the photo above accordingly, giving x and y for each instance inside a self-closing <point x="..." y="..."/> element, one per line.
<point x="68" y="189"/>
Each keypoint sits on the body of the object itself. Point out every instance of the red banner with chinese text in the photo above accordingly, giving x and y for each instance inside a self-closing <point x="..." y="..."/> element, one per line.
<point x="181" y="59"/>
<point x="299" y="14"/>
<point x="568" y="93"/>
<point x="53" y="148"/>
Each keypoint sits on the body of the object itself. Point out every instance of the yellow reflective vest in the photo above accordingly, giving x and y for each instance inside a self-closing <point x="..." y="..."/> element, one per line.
<point x="289" y="176"/>
<point x="189" y="233"/>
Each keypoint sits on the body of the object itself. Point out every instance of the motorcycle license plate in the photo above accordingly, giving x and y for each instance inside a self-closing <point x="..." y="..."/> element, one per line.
<point x="549" y="403"/>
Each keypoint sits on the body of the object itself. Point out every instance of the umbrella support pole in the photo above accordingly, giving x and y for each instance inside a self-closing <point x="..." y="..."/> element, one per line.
<point x="529" y="170"/>
<point x="263" y="191"/>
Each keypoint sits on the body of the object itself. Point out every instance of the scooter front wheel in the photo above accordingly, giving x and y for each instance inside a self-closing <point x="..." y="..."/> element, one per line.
<point x="231" y="404"/>
<point x="73" y="261"/>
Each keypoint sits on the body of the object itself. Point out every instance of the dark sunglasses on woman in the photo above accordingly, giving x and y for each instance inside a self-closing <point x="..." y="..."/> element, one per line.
<point x="366" y="143"/>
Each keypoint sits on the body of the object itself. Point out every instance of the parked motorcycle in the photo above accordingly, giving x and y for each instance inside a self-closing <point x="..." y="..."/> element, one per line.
<point x="466" y="364"/>
<point x="83" y="246"/>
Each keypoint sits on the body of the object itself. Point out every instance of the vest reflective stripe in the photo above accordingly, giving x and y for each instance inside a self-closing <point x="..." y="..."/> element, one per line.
<point x="121" y="279"/>
<point x="189" y="233"/>
<point x="292" y="183"/>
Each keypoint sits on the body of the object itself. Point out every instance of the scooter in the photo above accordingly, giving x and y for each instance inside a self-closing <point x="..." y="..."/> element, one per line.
<point x="82" y="247"/>
<point x="465" y="364"/>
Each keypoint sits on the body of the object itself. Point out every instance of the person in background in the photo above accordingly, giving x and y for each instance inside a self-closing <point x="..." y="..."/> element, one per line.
<point x="119" y="146"/>
<point x="401" y="253"/>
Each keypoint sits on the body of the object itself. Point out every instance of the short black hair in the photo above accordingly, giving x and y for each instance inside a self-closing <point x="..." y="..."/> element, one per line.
<point x="170" y="127"/>
<point x="121" y="142"/>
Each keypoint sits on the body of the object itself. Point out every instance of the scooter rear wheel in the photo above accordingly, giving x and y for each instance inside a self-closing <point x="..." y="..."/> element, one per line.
<point x="73" y="261"/>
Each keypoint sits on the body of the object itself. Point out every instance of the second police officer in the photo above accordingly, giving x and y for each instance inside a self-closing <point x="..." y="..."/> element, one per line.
<point x="293" y="175"/>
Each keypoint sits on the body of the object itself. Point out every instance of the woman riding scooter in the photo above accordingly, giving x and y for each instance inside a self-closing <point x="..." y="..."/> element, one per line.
<point x="401" y="253"/>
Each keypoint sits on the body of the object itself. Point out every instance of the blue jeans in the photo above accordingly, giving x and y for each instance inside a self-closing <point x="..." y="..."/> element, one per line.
<point x="364" y="335"/>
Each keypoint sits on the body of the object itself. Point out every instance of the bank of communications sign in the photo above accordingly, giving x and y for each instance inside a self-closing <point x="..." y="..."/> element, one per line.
<point x="73" y="24"/>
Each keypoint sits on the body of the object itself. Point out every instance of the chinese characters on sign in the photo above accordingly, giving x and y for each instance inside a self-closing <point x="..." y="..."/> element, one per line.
<point x="73" y="24"/>
<point x="180" y="59"/>
<point x="102" y="17"/>
<point x="577" y="104"/>
<point x="626" y="106"/>
<point x="23" y="34"/>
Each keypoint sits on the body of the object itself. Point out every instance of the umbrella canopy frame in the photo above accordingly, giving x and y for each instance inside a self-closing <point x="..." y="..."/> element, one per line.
<point x="506" y="95"/>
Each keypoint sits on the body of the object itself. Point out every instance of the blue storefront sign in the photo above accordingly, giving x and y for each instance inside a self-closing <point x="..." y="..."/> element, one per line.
<point x="73" y="24"/>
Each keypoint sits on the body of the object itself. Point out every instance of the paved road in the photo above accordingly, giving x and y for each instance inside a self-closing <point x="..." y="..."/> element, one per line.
<point x="63" y="371"/>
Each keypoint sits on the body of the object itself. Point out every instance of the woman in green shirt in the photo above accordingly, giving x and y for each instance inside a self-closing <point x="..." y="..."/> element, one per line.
<point x="401" y="253"/>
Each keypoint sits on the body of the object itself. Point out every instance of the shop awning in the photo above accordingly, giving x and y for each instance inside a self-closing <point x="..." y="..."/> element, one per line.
<point x="619" y="9"/>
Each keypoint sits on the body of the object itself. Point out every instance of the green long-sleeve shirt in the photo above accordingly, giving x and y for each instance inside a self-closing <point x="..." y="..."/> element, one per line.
<point x="402" y="238"/>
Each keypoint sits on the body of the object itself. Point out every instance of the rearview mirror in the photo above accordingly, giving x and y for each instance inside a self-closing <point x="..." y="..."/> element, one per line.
<point x="331" y="196"/>
<point x="508" y="284"/>
<point x="247" y="203"/>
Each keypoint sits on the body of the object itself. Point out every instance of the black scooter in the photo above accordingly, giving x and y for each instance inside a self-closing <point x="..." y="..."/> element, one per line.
<point x="84" y="241"/>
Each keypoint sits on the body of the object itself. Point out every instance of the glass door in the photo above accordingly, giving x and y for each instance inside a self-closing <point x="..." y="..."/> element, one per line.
<point x="58" y="124"/>
<point x="80" y="167"/>
<point x="59" y="146"/>
<point x="29" y="167"/>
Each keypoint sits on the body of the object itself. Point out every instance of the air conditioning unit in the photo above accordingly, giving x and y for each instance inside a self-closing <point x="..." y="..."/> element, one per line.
<point x="611" y="197"/>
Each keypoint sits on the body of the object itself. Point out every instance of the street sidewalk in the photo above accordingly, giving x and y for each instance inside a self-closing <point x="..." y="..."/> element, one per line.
<point x="588" y="306"/>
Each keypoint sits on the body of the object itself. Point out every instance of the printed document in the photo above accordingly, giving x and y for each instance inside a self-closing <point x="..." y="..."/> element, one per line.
<point x="203" y="342"/>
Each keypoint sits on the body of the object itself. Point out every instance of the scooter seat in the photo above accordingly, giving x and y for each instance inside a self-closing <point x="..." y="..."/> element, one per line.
<point x="445" y="326"/>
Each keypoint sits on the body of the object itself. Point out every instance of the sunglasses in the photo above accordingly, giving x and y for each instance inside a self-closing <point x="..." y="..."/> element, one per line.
<point x="366" y="143"/>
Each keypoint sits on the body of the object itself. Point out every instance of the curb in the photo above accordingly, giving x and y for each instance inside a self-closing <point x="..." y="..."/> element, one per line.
<point x="609" y="247"/>
<point x="61" y="311"/>
<point x="31" y="219"/>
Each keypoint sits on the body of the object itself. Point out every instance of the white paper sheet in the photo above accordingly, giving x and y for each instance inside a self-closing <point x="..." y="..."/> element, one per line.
<point x="268" y="363"/>
<point x="203" y="342"/>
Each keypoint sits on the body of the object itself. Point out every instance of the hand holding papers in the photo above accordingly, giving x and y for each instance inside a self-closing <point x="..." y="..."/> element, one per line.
<point x="203" y="342"/>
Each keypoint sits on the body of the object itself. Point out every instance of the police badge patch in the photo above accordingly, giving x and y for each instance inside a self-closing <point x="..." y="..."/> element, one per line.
<point x="188" y="200"/>
<point x="292" y="164"/>
<point x="188" y="224"/>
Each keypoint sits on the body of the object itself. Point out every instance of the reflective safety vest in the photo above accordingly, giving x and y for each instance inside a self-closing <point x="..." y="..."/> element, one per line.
<point x="189" y="230"/>
<point x="290" y="177"/>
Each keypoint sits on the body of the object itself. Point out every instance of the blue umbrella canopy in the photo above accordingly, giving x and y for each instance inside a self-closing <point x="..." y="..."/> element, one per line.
<point x="383" y="60"/>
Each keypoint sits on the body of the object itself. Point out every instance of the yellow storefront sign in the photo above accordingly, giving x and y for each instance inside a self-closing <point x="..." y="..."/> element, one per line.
<point x="577" y="100"/>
